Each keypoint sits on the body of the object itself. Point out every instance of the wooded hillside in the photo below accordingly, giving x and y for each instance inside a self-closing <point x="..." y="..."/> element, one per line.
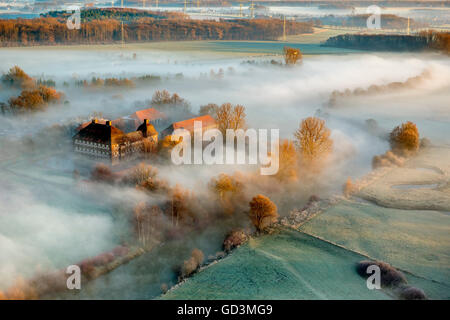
<point x="53" y="30"/>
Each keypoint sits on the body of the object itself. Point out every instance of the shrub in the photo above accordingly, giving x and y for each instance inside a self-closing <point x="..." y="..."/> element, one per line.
<point x="389" y="275"/>
<point x="291" y="55"/>
<point x="102" y="173"/>
<point x="164" y="288"/>
<point x="154" y="185"/>
<point x="34" y="99"/>
<point x="234" y="239"/>
<point x="191" y="265"/>
<point x="412" y="293"/>
<point x="389" y="159"/>
<point x="349" y="188"/>
<point x="87" y="268"/>
<point x="405" y="138"/>
<point x="198" y="256"/>
<point x="140" y="174"/>
<point x="425" y="143"/>
<point x="16" y="77"/>
<point x="120" y="251"/>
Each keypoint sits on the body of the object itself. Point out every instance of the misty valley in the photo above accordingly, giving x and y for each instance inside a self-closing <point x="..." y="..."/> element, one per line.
<point x="236" y="160"/>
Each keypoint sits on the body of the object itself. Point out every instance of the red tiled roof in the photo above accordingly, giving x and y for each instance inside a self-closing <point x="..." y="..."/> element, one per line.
<point x="188" y="124"/>
<point x="150" y="114"/>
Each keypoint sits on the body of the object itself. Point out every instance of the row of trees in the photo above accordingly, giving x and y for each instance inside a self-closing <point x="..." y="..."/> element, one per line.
<point x="108" y="82"/>
<point x="51" y="31"/>
<point x="437" y="40"/>
<point x="34" y="96"/>
<point x="122" y="14"/>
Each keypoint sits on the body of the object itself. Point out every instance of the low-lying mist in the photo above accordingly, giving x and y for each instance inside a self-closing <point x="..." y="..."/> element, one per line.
<point x="49" y="219"/>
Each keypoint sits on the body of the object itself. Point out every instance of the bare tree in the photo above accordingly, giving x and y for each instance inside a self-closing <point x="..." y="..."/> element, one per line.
<point x="229" y="117"/>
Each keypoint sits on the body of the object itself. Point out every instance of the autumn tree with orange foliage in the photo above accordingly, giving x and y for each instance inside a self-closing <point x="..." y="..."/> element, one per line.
<point x="35" y="99"/>
<point x="166" y="145"/>
<point x="153" y="185"/>
<point x="20" y="290"/>
<point x="404" y="139"/>
<point x="17" y="78"/>
<point x="108" y="29"/>
<point x="349" y="188"/>
<point x="263" y="212"/>
<point x="292" y="55"/>
<point x="229" y="191"/>
<point x="288" y="162"/>
<point x="313" y="140"/>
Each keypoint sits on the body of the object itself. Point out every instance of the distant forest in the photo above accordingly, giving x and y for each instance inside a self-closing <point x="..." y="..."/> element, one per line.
<point x="330" y="3"/>
<point x="428" y="40"/>
<point x="104" y="26"/>
<point x="122" y="14"/>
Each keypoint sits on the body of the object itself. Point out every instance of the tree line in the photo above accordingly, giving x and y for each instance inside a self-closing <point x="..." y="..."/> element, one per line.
<point x="122" y="14"/>
<point x="53" y="31"/>
<point x="35" y="95"/>
<point x="422" y="41"/>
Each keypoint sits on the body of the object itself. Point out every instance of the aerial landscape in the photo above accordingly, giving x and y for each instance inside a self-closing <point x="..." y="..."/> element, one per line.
<point x="224" y="150"/>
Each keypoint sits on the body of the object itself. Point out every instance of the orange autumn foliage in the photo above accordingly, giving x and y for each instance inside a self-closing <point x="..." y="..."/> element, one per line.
<point x="263" y="212"/>
<point x="313" y="140"/>
<point x="229" y="192"/>
<point x="405" y="138"/>
<point x="291" y="55"/>
<point x="288" y="162"/>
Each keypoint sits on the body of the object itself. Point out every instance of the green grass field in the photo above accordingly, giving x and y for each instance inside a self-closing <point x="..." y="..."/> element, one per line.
<point x="413" y="240"/>
<point x="288" y="265"/>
